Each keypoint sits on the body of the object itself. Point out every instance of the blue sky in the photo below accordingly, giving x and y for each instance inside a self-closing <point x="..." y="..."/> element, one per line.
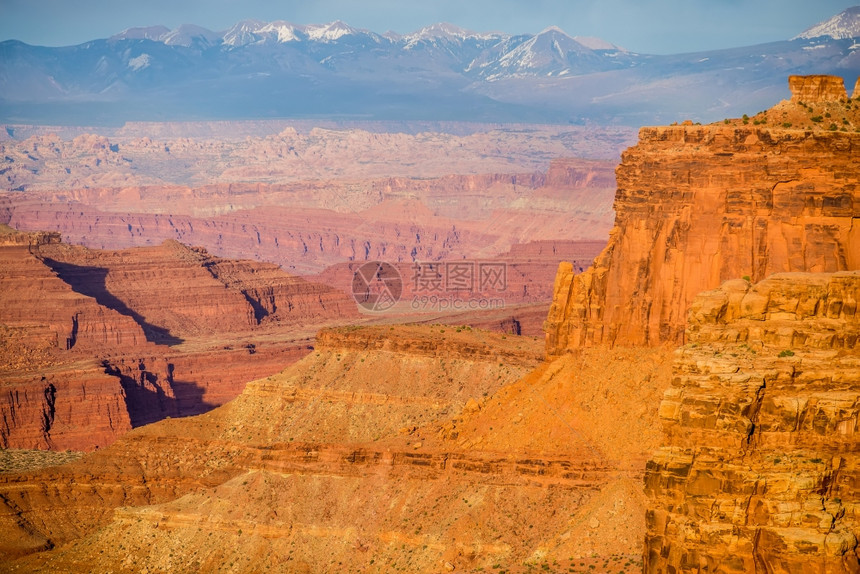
<point x="648" y="26"/>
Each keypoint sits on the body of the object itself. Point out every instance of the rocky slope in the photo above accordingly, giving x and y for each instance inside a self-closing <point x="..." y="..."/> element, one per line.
<point x="698" y="205"/>
<point x="758" y="469"/>
<point x="96" y="342"/>
<point x="388" y="447"/>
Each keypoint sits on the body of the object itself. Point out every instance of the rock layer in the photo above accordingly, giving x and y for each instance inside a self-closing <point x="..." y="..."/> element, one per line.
<point x="94" y="343"/>
<point x="759" y="469"/>
<point x="817" y="88"/>
<point x="698" y="205"/>
<point x="330" y="222"/>
<point x="422" y="448"/>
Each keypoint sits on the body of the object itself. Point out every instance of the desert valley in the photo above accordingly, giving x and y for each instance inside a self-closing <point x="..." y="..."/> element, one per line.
<point x="437" y="345"/>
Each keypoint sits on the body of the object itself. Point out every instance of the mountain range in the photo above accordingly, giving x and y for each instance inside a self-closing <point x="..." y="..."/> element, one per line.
<point x="278" y="69"/>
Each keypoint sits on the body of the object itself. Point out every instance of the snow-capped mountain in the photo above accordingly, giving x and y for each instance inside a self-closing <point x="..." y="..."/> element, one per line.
<point x="844" y="25"/>
<point x="249" y="32"/>
<point x="443" y="31"/>
<point x="333" y="31"/>
<point x="282" y="69"/>
<point x="244" y="33"/>
<point x="549" y="53"/>
<point x="189" y="34"/>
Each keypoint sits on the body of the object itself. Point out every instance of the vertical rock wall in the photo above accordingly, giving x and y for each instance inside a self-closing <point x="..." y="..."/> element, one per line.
<point x="759" y="469"/>
<point x="699" y="205"/>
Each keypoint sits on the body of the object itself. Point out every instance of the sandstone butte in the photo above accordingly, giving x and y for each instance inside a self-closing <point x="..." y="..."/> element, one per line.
<point x="757" y="471"/>
<point x="433" y="449"/>
<point x="699" y="205"/>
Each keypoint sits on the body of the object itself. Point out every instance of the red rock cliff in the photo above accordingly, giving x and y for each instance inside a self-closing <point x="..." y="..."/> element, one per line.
<point x="697" y="205"/>
<point x="816" y="88"/>
<point x="759" y="470"/>
<point x="93" y="343"/>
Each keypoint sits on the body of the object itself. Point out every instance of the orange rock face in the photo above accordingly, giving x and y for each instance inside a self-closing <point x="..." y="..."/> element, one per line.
<point x="759" y="469"/>
<point x="816" y="88"/>
<point x="97" y="342"/>
<point x="698" y="205"/>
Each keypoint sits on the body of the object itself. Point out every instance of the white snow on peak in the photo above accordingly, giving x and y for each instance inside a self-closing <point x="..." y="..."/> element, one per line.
<point x="285" y="31"/>
<point x="846" y="24"/>
<point x="441" y="30"/>
<point x="329" y="32"/>
<point x="446" y="31"/>
<point x="243" y="33"/>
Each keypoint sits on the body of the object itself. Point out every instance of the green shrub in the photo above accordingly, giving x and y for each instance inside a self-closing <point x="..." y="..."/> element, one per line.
<point x="786" y="353"/>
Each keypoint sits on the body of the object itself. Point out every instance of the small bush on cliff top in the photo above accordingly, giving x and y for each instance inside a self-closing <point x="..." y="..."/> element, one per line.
<point x="786" y="353"/>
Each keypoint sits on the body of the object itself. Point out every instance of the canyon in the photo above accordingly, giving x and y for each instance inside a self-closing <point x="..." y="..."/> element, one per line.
<point x="709" y="353"/>
<point x="97" y="342"/>
<point x="380" y="451"/>
<point x="313" y="200"/>
<point x="298" y="198"/>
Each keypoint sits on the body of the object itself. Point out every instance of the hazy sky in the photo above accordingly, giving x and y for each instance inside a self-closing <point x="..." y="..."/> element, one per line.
<point x="648" y="26"/>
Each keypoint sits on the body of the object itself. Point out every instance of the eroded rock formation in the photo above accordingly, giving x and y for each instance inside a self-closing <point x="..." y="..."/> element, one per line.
<point x="94" y="343"/>
<point x="698" y="205"/>
<point x="492" y="462"/>
<point x="180" y="155"/>
<point x="817" y="88"/>
<point x="758" y="471"/>
<point x="332" y="221"/>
